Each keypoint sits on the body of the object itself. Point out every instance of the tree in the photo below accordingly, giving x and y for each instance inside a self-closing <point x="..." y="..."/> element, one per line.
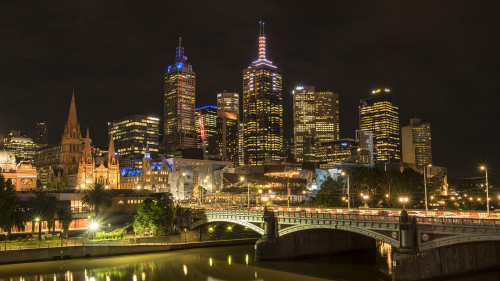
<point x="57" y="185"/>
<point x="97" y="197"/>
<point x="330" y="193"/>
<point x="10" y="216"/>
<point x="157" y="213"/>
<point x="43" y="207"/>
<point x="65" y="218"/>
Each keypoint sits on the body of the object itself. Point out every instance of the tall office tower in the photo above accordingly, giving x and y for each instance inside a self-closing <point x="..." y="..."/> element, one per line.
<point x="262" y="109"/>
<point x="228" y="102"/>
<point x="71" y="145"/>
<point x="416" y="142"/>
<point x="206" y="128"/>
<point x="365" y="140"/>
<point x="241" y="144"/>
<point x="316" y="120"/>
<point x="42" y="133"/>
<point x="133" y="135"/>
<point x="228" y="131"/>
<point x="179" y="96"/>
<point x="379" y="115"/>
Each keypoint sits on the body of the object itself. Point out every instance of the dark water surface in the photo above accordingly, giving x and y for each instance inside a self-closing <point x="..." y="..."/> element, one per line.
<point x="213" y="264"/>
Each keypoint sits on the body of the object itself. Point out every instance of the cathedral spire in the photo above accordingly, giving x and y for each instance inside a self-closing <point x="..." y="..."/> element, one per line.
<point x="72" y="128"/>
<point x="111" y="151"/>
<point x="87" y="152"/>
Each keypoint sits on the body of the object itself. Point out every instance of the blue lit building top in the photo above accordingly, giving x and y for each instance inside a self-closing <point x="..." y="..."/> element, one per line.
<point x="205" y="107"/>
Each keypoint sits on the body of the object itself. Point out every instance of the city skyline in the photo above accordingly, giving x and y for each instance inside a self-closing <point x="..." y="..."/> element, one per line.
<point x="418" y="93"/>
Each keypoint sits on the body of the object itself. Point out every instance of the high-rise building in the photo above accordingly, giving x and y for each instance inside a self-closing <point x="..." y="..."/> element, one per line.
<point x="365" y="140"/>
<point x="316" y="119"/>
<point x="380" y="116"/>
<point x="21" y="146"/>
<point x="262" y="109"/>
<point x="228" y="102"/>
<point x="206" y="128"/>
<point x="134" y="134"/>
<point x="42" y="133"/>
<point x="179" y="104"/>
<point x="227" y="128"/>
<point x="332" y="152"/>
<point x="416" y="142"/>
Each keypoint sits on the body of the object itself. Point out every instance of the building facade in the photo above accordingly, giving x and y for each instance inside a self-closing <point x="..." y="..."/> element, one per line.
<point x="262" y="110"/>
<point x="179" y="104"/>
<point x="151" y="176"/>
<point x="379" y="115"/>
<point x="42" y="133"/>
<point x="23" y="175"/>
<point x="316" y="119"/>
<point x="134" y="134"/>
<point x="206" y="129"/>
<point x="107" y="174"/>
<point x="332" y="153"/>
<point x="71" y="147"/>
<point x="416" y="142"/>
<point x="228" y="102"/>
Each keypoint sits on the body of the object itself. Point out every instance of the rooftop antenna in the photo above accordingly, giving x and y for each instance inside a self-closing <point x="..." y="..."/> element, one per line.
<point x="262" y="41"/>
<point x="179" y="56"/>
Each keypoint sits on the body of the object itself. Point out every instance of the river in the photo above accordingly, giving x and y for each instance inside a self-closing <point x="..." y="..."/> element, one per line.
<point x="213" y="264"/>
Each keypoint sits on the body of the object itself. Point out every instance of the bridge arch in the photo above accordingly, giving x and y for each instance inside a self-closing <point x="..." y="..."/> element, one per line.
<point x="243" y="223"/>
<point x="456" y="239"/>
<point x="364" y="232"/>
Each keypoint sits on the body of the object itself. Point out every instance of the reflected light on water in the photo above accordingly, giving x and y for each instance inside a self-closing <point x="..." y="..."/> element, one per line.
<point x="386" y="251"/>
<point x="107" y="278"/>
<point x="55" y="277"/>
<point x="134" y="277"/>
<point x="229" y="260"/>
<point x="90" y="279"/>
<point x="184" y="267"/>
<point x="246" y="259"/>
<point x="210" y="261"/>
<point x="143" y="276"/>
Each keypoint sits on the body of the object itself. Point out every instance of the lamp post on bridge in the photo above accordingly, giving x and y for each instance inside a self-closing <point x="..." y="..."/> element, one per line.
<point x="348" y="193"/>
<point x="242" y="179"/>
<point x="487" y="191"/>
<point x="425" y="186"/>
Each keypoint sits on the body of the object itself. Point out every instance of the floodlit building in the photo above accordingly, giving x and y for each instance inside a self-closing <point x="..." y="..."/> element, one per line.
<point x="332" y="153"/>
<point x="316" y="119"/>
<point x="379" y="115"/>
<point x="134" y="134"/>
<point x="416" y="142"/>
<point x="151" y="176"/>
<point x="22" y="175"/>
<point x="262" y="109"/>
<point x="179" y="104"/>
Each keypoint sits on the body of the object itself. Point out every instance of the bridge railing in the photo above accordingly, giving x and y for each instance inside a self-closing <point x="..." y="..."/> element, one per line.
<point x="459" y="221"/>
<point x="330" y="216"/>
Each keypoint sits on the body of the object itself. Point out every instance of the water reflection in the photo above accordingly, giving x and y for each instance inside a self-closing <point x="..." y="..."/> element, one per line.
<point x="214" y="264"/>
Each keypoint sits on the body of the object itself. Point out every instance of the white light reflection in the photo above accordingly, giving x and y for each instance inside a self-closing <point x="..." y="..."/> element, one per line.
<point x="229" y="260"/>
<point x="246" y="259"/>
<point x="210" y="262"/>
<point x="184" y="267"/>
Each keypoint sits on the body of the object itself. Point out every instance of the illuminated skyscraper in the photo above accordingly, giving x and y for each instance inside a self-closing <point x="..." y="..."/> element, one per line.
<point x="416" y="140"/>
<point x="316" y="119"/>
<point x="227" y="128"/>
<point x="133" y="135"/>
<point x="228" y="102"/>
<point x="42" y="133"/>
<point x="379" y="115"/>
<point x="179" y="97"/>
<point x="207" y="134"/>
<point x="262" y="109"/>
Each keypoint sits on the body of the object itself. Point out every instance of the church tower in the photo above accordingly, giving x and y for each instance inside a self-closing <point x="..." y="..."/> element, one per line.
<point x="86" y="167"/>
<point x="113" y="166"/>
<point x="71" y="146"/>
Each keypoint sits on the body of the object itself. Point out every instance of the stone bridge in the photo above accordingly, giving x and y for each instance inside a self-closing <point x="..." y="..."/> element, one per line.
<point x="425" y="247"/>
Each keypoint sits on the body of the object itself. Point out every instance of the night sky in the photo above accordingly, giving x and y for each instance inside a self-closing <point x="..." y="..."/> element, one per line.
<point x="440" y="58"/>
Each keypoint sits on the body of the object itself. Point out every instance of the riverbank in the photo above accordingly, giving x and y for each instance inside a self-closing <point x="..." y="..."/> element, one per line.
<point x="102" y="250"/>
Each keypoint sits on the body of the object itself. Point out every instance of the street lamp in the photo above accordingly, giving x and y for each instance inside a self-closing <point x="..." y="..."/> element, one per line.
<point x="403" y="201"/>
<point x="242" y="179"/>
<point x="487" y="191"/>
<point x="92" y="228"/>
<point x="348" y="193"/>
<point x="425" y="186"/>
